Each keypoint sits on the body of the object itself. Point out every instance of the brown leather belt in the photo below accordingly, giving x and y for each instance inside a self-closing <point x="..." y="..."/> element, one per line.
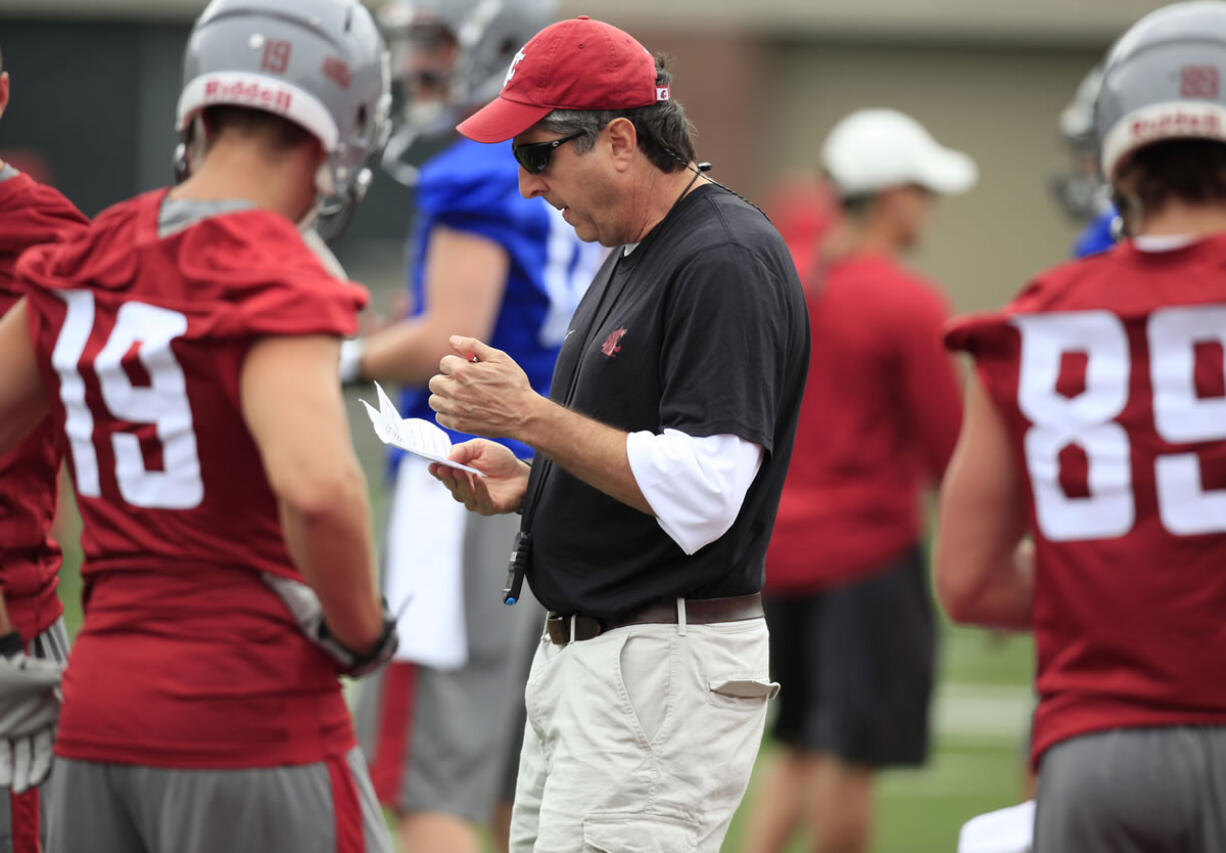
<point x="698" y="611"/>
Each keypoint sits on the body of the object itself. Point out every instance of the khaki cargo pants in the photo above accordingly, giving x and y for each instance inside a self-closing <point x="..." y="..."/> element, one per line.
<point x="641" y="739"/>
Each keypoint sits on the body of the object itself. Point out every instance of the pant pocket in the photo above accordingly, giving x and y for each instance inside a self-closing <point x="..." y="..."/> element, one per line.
<point x="644" y="667"/>
<point x="627" y="832"/>
<point x="741" y="691"/>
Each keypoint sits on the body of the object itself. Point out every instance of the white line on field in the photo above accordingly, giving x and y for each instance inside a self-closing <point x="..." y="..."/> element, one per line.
<point x="983" y="710"/>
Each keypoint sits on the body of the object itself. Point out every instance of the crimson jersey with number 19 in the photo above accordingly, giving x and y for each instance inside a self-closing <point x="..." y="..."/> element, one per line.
<point x="186" y="658"/>
<point x="1109" y="373"/>
<point x="30" y="213"/>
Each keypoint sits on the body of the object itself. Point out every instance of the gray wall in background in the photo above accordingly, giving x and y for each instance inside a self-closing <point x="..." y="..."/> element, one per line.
<point x="96" y="99"/>
<point x="998" y="104"/>
<point x="76" y="101"/>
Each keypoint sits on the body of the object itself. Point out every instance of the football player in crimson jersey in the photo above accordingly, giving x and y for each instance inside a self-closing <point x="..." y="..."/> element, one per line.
<point x="185" y="346"/>
<point x="30" y="611"/>
<point x="1096" y="423"/>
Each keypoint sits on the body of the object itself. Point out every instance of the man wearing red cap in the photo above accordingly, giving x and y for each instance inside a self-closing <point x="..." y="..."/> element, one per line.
<point x="661" y="454"/>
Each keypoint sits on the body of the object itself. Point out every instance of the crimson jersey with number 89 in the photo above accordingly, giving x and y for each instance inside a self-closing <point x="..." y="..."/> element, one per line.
<point x="1110" y="374"/>
<point x="141" y="337"/>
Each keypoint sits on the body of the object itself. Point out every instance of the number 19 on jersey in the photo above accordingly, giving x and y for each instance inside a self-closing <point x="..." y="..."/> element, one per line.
<point x="144" y="332"/>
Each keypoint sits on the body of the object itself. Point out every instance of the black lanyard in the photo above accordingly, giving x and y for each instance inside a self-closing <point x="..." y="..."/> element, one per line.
<point x="521" y="554"/>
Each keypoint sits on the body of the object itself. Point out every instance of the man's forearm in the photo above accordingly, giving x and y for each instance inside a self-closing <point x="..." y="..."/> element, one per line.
<point x="406" y="353"/>
<point x="592" y="451"/>
<point x="6" y="626"/>
<point x="1004" y="599"/>
<point x="331" y="547"/>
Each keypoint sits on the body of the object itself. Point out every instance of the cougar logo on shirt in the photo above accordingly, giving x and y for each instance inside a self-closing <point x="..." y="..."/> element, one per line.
<point x="519" y="56"/>
<point x="612" y="345"/>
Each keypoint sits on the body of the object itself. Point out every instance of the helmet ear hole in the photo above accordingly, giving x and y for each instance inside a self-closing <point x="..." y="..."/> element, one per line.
<point x="360" y="124"/>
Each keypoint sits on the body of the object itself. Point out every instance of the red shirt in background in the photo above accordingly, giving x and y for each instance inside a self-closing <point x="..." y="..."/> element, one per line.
<point x="186" y="657"/>
<point x="1108" y="373"/>
<point x="880" y="417"/>
<point x="30" y="213"/>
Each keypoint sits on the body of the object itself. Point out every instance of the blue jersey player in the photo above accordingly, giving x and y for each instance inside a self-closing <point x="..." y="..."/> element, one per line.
<point x="1098" y="235"/>
<point x="439" y="724"/>
<point x="474" y="189"/>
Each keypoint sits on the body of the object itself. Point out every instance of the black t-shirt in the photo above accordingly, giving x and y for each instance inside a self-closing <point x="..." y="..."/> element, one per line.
<point x="702" y="328"/>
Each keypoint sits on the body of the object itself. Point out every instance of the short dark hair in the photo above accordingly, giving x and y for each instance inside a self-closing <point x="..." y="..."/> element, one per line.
<point x="1190" y="170"/>
<point x="665" y="134"/>
<point x="281" y="132"/>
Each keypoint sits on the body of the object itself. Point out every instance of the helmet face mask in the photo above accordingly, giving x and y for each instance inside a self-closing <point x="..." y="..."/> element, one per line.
<point x="449" y="57"/>
<point x="321" y="64"/>
<point x="1081" y="190"/>
<point x="424" y="63"/>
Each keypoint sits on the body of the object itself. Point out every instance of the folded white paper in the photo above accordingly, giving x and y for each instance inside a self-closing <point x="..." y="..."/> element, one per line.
<point x="416" y="435"/>
<point x="1008" y="830"/>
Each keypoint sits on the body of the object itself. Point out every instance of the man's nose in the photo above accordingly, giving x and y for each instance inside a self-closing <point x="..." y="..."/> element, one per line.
<point x="530" y="185"/>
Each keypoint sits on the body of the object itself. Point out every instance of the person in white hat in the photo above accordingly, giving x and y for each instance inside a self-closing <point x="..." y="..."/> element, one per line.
<point x="846" y="582"/>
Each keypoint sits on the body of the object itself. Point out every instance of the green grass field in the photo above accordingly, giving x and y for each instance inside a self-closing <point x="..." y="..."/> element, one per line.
<point x="980" y="718"/>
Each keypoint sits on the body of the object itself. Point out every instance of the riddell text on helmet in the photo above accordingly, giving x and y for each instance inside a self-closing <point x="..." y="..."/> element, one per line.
<point x="1175" y="123"/>
<point x="251" y="92"/>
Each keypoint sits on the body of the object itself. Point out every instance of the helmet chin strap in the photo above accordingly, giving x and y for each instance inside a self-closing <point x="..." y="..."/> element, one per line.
<point x="190" y="151"/>
<point x="1130" y="214"/>
<point x="325" y="188"/>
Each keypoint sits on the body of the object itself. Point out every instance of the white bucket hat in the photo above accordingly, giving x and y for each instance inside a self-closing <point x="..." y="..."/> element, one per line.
<point x="872" y="150"/>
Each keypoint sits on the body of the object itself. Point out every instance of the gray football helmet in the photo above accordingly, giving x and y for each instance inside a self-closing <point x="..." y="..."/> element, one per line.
<point x="1081" y="190"/>
<point x="448" y="58"/>
<point x="1164" y="80"/>
<point x="321" y="64"/>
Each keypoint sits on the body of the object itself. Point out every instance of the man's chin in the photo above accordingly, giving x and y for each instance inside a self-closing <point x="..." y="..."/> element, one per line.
<point x="585" y="232"/>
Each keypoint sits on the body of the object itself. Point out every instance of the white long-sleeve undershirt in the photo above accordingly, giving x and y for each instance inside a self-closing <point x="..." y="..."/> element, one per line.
<point x="694" y="484"/>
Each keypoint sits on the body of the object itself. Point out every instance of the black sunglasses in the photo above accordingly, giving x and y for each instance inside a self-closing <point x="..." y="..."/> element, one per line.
<point x="534" y="156"/>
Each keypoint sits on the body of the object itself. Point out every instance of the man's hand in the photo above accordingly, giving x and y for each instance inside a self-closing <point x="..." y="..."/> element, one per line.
<point x="29" y="708"/>
<point x="482" y="391"/>
<point x="25" y="762"/>
<point x="501" y="490"/>
<point x="303" y="604"/>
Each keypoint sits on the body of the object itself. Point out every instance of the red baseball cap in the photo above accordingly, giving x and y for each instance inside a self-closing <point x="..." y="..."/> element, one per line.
<point x="578" y="64"/>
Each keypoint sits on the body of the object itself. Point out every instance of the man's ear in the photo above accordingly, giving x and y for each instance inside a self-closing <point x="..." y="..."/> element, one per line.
<point x="4" y="91"/>
<point x="623" y="142"/>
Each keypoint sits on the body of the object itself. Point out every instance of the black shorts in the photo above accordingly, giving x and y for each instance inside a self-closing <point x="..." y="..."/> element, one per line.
<point x="855" y="664"/>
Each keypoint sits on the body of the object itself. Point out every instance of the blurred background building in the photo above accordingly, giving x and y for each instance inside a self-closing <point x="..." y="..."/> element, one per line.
<point x="95" y="85"/>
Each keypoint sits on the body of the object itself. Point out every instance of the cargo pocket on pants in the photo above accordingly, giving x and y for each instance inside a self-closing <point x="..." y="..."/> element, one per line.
<point x="741" y="691"/>
<point x="626" y="832"/>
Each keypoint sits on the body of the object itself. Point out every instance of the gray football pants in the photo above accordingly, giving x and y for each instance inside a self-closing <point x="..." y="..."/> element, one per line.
<point x="1155" y="790"/>
<point x="122" y="808"/>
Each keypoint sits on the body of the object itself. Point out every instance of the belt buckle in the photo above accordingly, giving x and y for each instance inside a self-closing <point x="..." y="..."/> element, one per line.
<point x="561" y="629"/>
<point x="564" y="630"/>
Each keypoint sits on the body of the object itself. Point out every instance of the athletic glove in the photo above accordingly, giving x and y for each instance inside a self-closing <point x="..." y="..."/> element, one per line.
<point x="29" y="708"/>
<point x="309" y="614"/>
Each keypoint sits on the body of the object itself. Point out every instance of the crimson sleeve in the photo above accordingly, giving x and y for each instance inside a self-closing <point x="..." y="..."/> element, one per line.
<point x="931" y="394"/>
<point x="261" y="279"/>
